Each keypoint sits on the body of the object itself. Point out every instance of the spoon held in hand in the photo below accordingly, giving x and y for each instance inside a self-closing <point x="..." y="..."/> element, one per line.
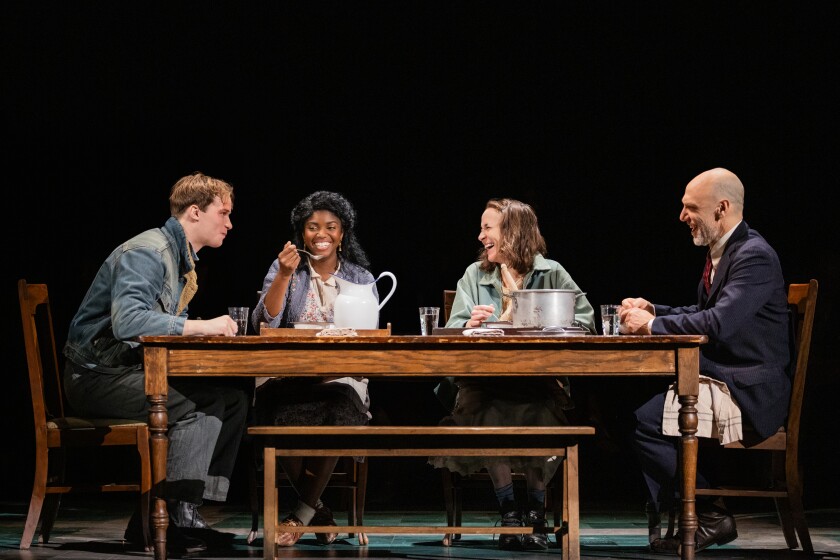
<point x="311" y="256"/>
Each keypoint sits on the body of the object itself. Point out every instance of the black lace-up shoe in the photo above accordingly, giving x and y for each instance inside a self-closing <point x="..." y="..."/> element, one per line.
<point x="176" y="541"/>
<point x="185" y="515"/>
<point x="511" y="517"/>
<point x="535" y="517"/>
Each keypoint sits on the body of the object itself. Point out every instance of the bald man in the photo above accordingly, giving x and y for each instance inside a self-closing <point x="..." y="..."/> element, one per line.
<point x="742" y="308"/>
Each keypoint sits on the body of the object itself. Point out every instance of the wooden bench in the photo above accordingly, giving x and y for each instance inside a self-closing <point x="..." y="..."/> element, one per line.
<point x="423" y="441"/>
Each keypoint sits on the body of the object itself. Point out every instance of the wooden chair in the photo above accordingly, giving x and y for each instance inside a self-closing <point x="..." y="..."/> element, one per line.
<point x="784" y="483"/>
<point x="348" y="475"/>
<point x="448" y="300"/>
<point x="56" y="433"/>
<point x="455" y="483"/>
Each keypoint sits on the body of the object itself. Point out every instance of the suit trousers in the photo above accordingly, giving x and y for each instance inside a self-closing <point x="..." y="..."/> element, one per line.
<point x="658" y="454"/>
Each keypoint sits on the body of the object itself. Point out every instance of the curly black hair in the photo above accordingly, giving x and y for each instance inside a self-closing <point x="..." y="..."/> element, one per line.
<point x="332" y="202"/>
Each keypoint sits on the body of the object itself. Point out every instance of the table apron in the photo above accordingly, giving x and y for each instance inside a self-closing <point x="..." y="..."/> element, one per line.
<point x="461" y="362"/>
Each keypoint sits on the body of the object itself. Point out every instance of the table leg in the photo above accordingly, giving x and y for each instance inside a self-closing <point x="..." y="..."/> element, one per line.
<point x="688" y="457"/>
<point x="158" y="418"/>
<point x="688" y="388"/>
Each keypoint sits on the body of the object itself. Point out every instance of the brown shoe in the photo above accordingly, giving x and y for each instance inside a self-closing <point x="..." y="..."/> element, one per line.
<point x="670" y="545"/>
<point x="716" y="527"/>
<point x="323" y="516"/>
<point x="289" y="539"/>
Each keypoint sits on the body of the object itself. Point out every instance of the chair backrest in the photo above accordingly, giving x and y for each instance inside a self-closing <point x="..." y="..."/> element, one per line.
<point x="41" y="354"/>
<point x="448" y="299"/>
<point x="802" y="299"/>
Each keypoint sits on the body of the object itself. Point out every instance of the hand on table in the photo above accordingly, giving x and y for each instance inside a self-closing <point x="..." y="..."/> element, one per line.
<point x="220" y="326"/>
<point x="480" y="314"/>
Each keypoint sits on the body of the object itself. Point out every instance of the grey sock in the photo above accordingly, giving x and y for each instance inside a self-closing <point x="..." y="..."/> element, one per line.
<point x="304" y="512"/>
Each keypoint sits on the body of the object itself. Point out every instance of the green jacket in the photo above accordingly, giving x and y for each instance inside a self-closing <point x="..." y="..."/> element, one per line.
<point x="477" y="287"/>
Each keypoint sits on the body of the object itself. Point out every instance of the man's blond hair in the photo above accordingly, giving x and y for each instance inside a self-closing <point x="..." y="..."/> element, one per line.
<point x="198" y="189"/>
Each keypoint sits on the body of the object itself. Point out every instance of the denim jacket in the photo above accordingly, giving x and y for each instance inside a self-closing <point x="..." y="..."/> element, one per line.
<point x="296" y="292"/>
<point x="135" y="293"/>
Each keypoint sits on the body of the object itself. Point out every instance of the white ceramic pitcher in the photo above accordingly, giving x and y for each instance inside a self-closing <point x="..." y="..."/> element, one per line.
<point x="356" y="306"/>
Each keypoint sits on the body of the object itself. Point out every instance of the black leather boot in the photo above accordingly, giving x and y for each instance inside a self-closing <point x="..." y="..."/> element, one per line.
<point x="185" y="515"/>
<point x="535" y="517"/>
<point x="511" y="517"/>
<point x="176" y="541"/>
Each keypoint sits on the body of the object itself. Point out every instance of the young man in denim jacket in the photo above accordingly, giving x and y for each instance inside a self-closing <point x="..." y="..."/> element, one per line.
<point x="142" y="289"/>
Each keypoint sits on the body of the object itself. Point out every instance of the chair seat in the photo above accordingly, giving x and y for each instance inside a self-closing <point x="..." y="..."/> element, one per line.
<point x="752" y="440"/>
<point x="74" y="423"/>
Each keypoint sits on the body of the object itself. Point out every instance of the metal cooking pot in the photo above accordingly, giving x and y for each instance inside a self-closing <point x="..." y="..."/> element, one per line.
<point x="543" y="308"/>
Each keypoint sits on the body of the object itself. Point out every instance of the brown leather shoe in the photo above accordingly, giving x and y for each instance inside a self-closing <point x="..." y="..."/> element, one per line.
<point x="323" y="516"/>
<point x="665" y="546"/>
<point x="289" y="539"/>
<point x="715" y="526"/>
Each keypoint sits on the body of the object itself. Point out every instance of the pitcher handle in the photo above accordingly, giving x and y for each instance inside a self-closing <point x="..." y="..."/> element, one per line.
<point x="393" y="287"/>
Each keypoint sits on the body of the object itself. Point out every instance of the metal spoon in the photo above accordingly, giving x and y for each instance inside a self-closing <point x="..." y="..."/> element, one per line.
<point x="311" y="256"/>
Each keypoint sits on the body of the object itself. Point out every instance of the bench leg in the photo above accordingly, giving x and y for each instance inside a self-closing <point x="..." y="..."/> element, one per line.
<point x="570" y="541"/>
<point x="269" y="502"/>
<point x="361" y="495"/>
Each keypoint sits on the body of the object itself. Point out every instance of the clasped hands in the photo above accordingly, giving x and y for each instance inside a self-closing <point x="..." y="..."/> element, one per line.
<point x="635" y="315"/>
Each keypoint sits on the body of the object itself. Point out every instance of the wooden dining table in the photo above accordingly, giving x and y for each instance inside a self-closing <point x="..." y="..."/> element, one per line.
<point x="676" y="357"/>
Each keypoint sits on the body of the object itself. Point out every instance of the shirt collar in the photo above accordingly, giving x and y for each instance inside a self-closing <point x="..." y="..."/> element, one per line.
<point x="716" y="251"/>
<point x="314" y="274"/>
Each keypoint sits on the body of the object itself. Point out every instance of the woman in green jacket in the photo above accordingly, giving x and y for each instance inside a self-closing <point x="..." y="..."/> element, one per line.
<point x="511" y="258"/>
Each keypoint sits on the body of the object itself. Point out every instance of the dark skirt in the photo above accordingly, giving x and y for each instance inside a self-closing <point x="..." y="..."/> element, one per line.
<point x="307" y="402"/>
<point x="488" y="402"/>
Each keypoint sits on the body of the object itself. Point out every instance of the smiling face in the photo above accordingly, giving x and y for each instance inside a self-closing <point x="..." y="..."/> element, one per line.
<point x="322" y="233"/>
<point x="491" y="235"/>
<point x="702" y="212"/>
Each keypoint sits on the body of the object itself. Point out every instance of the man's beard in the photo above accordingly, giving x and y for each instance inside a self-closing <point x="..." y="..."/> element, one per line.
<point x="706" y="236"/>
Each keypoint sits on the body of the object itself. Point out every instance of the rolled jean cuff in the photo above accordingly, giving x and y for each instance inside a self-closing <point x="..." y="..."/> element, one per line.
<point x="216" y="488"/>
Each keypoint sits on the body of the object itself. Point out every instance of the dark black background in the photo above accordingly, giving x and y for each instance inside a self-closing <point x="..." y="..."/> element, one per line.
<point x="596" y="114"/>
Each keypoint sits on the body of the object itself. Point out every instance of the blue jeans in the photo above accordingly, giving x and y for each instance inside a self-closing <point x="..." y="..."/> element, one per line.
<point x="206" y="424"/>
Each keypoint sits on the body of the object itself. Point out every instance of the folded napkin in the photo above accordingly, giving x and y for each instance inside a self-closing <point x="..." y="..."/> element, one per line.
<point x="337" y="332"/>
<point x="482" y="331"/>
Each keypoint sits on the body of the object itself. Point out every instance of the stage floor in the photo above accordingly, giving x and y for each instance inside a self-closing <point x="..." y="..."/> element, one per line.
<point x="91" y="529"/>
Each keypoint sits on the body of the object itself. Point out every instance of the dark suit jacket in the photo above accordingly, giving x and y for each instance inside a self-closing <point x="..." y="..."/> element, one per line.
<point x="746" y="319"/>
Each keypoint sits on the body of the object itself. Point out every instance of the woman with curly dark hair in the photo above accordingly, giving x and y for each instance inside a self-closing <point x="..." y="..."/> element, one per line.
<point x="301" y="288"/>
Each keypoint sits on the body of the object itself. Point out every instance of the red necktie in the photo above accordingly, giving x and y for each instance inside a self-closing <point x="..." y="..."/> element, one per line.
<point x="707" y="273"/>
